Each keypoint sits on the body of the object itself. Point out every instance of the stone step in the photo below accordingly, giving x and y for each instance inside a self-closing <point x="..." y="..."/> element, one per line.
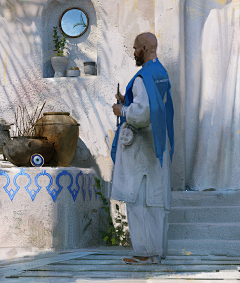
<point x="210" y="214"/>
<point x="201" y="247"/>
<point x="133" y="268"/>
<point x="205" y="198"/>
<point x="120" y="271"/>
<point x="113" y="262"/>
<point x="198" y="231"/>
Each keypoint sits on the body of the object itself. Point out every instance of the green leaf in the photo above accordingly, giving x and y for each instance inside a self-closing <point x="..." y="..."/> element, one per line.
<point x="110" y="232"/>
<point x="97" y="180"/>
<point x="105" y="239"/>
<point x="59" y="42"/>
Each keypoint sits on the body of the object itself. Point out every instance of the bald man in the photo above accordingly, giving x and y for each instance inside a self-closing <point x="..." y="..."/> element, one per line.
<point x="140" y="153"/>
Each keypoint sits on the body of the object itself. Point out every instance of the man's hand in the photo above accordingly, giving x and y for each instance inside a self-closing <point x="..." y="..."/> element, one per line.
<point x="120" y="98"/>
<point x="117" y="109"/>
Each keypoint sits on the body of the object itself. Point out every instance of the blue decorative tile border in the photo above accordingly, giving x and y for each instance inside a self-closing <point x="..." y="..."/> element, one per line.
<point x="44" y="173"/>
<point x="83" y="183"/>
<point x="63" y="173"/>
<point x="12" y="192"/>
<point x="32" y="193"/>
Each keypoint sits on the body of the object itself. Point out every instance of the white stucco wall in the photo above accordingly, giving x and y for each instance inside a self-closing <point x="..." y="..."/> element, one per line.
<point x="26" y="48"/>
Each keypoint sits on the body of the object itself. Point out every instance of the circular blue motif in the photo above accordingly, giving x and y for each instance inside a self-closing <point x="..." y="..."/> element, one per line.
<point x="37" y="160"/>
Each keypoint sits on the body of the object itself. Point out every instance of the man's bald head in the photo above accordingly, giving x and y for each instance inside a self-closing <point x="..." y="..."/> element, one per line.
<point x="149" y="39"/>
<point x="145" y="46"/>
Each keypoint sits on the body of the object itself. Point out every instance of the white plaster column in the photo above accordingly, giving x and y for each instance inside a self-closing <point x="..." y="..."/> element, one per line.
<point x="169" y="32"/>
<point x="217" y="162"/>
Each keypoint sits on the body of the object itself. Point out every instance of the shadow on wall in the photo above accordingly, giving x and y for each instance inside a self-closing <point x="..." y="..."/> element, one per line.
<point x="67" y="235"/>
<point x="84" y="159"/>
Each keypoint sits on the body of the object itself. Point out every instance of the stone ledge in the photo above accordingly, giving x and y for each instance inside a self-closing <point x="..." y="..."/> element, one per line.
<point x="33" y="179"/>
<point x="80" y="78"/>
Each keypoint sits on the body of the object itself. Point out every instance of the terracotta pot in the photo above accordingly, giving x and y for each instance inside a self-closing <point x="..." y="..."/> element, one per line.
<point x="19" y="150"/>
<point x="59" y="64"/>
<point x="60" y="128"/>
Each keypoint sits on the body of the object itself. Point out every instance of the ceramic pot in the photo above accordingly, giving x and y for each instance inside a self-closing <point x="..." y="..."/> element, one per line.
<point x="59" y="64"/>
<point x="19" y="150"/>
<point x="4" y="133"/>
<point x="73" y="73"/>
<point x="63" y="130"/>
<point x="90" y="68"/>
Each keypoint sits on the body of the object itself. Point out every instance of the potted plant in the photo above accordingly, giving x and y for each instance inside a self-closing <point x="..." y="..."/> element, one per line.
<point x="73" y="72"/>
<point x="59" y="61"/>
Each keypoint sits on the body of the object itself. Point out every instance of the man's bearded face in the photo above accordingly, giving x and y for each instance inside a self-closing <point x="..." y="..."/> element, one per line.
<point x="138" y="53"/>
<point x="139" y="58"/>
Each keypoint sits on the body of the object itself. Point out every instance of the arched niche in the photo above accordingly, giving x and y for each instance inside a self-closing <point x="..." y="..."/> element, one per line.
<point x="78" y="50"/>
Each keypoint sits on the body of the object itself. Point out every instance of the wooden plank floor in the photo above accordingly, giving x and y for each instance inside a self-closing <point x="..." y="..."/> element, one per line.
<point x="107" y="266"/>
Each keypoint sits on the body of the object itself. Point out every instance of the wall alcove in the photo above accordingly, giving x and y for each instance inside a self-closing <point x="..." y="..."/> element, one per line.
<point x="78" y="50"/>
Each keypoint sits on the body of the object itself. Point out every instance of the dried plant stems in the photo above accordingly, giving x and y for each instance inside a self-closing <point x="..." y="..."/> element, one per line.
<point x="25" y="122"/>
<point x="40" y="113"/>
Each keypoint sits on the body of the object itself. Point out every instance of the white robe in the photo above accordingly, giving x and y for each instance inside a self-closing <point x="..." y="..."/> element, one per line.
<point x="140" y="181"/>
<point x="139" y="159"/>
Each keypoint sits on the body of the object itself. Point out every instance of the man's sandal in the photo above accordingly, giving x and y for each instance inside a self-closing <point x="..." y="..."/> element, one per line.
<point x="141" y="260"/>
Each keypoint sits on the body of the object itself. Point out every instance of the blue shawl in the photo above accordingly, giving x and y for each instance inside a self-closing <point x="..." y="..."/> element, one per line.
<point x="158" y="86"/>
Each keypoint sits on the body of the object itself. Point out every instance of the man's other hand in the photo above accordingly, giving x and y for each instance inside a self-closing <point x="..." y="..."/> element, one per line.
<point x="120" y="98"/>
<point x="117" y="109"/>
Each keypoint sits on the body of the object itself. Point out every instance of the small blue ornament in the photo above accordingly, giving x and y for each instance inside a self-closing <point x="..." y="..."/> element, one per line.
<point x="37" y="160"/>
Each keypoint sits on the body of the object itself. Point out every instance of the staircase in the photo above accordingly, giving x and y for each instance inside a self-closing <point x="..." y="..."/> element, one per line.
<point x="204" y="223"/>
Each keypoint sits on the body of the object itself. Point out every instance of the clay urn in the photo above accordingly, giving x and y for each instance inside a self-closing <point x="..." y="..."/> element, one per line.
<point x="19" y="150"/>
<point x="4" y="133"/>
<point x="62" y="130"/>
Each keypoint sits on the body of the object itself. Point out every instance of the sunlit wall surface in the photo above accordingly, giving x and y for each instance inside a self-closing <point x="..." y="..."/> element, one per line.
<point x="198" y="43"/>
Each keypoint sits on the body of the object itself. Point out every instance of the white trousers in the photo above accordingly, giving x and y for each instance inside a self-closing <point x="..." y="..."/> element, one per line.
<point x="147" y="226"/>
